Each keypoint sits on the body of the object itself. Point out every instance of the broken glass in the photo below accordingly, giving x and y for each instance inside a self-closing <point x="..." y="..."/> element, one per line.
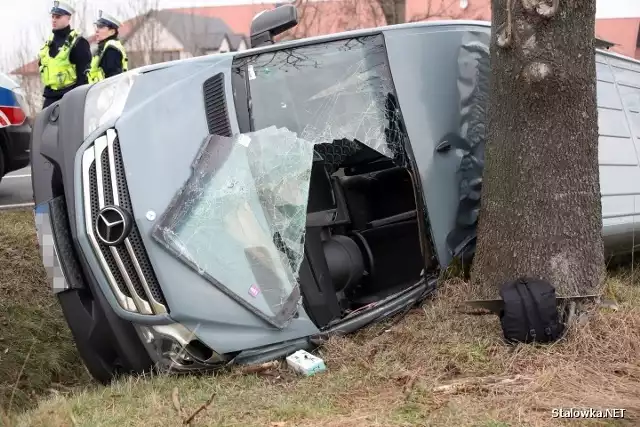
<point x="338" y="95"/>
<point x="240" y="218"/>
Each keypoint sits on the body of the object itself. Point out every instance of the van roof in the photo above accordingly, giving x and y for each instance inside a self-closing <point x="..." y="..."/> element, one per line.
<point x="452" y="23"/>
<point x="444" y="24"/>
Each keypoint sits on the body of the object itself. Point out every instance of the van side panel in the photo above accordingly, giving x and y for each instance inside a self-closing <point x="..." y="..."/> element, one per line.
<point x="440" y="77"/>
<point x="618" y="88"/>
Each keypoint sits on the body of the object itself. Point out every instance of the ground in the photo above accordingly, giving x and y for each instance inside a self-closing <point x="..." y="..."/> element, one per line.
<point x="395" y="374"/>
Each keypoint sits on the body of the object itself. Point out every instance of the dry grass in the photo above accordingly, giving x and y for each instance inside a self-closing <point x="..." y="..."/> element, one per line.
<point x="386" y="376"/>
<point x="35" y="343"/>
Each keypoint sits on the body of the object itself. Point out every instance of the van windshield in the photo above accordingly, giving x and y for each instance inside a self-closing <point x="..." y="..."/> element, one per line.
<point x="327" y="92"/>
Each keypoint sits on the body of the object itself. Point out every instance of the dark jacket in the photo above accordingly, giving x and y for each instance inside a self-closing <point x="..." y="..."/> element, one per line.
<point x="111" y="62"/>
<point x="80" y="55"/>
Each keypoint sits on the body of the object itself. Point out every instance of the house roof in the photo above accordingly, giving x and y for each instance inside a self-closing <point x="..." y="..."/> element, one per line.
<point x="197" y="32"/>
<point x="238" y="17"/>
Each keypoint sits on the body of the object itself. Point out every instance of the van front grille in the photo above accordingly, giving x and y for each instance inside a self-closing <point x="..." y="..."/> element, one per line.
<point x="126" y="265"/>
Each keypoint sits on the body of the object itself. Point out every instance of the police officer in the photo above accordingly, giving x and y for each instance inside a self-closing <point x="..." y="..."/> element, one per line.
<point x="110" y="58"/>
<point x="65" y="57"/>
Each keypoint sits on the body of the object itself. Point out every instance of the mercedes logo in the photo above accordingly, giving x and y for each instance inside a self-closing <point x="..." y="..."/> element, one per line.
<point x="113" y="225"/>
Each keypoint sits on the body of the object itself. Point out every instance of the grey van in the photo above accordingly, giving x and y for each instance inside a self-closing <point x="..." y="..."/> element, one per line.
<point x="235" y="208"/>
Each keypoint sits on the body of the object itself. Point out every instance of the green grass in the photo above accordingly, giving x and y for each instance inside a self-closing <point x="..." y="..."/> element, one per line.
<point x="37" y="355"/>
<point x="386" y="375"/>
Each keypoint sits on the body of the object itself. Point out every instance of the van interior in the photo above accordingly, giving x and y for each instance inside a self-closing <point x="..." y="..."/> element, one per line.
<point x="362" y="239"/>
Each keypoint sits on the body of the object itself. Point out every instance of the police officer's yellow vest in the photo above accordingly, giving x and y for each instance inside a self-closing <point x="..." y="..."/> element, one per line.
<point x="58" y="72"/>
<point x="96" y="73"/>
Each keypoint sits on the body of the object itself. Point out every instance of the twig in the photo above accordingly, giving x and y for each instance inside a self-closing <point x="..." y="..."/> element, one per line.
<point x="176" y="401"/>
<point x="200" y="409"/>
<point x="452" y="388"/>
<point x="478" y="312"/>
<point x="254" y="369"/>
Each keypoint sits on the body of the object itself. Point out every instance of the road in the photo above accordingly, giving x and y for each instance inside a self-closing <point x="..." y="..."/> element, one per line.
<point x="16" y="190"/>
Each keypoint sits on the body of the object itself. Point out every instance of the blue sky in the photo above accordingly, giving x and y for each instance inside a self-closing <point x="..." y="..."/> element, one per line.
<point x="23" y="21"/>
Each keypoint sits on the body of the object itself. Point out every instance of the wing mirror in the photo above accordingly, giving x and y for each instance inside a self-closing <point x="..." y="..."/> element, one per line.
<point x="269" y="23"/>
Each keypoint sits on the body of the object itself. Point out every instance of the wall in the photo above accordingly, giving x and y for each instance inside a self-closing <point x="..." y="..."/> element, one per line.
<point x="623" y="32"/>
<point x="448" y="9"/>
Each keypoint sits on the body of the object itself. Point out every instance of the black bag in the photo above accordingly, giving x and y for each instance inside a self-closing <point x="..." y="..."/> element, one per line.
<point x="529" y="313"/>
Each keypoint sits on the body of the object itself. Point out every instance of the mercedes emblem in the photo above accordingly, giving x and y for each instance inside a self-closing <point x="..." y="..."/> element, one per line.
<point x="113" y="225"/>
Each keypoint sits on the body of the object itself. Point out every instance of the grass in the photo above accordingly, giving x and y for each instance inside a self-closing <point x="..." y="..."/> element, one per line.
<point x="394" y="374"/>
<point x="35" y="344"/>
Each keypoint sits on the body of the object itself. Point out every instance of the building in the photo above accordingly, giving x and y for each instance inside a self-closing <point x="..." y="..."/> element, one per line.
<point x="623" y="33"/>
<point x="178" y="33"/>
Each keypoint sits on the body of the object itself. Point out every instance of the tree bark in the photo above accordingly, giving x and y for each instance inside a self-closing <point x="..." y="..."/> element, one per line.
<point x="540" y="211"/>
<point x="394" y="11"/>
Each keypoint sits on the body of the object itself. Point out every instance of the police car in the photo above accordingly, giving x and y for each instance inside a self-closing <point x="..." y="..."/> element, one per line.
<point x="15" y="130"/>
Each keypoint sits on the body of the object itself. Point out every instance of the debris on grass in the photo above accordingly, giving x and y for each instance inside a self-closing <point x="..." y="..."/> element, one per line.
<point x="305" y="363"/>
<point x="202" y="407"/>
<point x="486" y="383"/>
<point x="258" y="369"/>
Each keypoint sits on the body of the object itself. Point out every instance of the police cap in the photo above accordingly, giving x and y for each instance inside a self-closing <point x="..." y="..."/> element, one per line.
<point x="107" y="20"/>
<point x="62" y="8"/>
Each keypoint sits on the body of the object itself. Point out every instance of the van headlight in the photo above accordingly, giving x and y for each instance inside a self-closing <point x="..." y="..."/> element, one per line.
<point x="106" y="99"/>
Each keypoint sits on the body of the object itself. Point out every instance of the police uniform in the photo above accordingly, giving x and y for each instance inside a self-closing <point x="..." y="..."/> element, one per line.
<point x="64" y="59"/>
<point x="111" y="58"/>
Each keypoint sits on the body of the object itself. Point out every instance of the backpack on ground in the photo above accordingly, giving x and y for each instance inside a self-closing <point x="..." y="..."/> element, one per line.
<point x="529" y="313"/>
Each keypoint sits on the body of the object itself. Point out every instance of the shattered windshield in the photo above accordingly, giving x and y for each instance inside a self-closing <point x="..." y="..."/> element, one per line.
<point x="240" y="219"/>
<point x="328" y="93"/>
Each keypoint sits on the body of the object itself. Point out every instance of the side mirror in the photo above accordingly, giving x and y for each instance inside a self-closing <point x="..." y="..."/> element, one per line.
<point x="269" y="23"/>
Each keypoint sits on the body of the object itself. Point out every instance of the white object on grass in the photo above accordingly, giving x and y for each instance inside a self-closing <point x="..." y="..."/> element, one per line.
<point x="305" y="363"/>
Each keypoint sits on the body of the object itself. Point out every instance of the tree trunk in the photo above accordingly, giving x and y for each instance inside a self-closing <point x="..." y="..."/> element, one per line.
<point x="394" y="11"/>
<point x="541" y="211"/>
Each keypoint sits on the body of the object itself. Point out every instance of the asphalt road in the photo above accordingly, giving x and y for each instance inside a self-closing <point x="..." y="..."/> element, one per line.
<point x="15" y="190"/>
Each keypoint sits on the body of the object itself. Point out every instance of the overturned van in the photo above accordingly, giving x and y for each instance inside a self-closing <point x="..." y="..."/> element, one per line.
<point x="235" y="208"/>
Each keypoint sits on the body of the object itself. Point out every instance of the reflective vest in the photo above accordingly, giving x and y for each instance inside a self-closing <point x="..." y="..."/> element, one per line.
<point x="96" y="73"/>
<point x="58" y="72"/>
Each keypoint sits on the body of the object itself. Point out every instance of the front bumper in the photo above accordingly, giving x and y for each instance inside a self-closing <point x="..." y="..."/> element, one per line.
<point x="88" y="305"/>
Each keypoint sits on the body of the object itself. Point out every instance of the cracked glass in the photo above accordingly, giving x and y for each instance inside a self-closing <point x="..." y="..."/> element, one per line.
<point x="240" y="219"/>
<point x="338" y="95"/>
